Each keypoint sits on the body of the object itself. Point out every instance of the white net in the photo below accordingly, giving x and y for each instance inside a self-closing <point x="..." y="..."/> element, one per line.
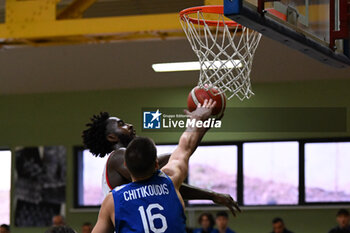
<point x="225" y="54"/>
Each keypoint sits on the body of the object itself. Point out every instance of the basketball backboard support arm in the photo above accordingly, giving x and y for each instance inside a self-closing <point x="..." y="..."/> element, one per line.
<point x="272" y="27"/>
<point x="342" y="31"/>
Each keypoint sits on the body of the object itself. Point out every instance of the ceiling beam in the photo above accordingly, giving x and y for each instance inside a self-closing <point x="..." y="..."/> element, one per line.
<point x="75" y="10"/>
<point x="91" y="26"/>
<point x="36" y="22"/>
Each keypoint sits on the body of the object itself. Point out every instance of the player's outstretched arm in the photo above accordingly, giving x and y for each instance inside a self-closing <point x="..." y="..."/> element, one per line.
<point x="189" y="192"/>
<point x="177" y="166"/>
<point x="104" y="222"/>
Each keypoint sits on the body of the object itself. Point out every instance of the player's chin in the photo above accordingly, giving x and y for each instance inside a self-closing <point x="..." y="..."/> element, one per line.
<point x="126" y="138"/>
<point x="131" y="137"/>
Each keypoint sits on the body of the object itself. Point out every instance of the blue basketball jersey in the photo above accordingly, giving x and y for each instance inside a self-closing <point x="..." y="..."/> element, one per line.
<point x="149" y="206"/>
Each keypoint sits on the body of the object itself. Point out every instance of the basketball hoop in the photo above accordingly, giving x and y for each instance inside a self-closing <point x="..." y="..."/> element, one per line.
<point x="225" y="50"/>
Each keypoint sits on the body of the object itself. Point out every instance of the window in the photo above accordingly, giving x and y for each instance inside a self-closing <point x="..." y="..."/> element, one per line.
<point x="89" y="173"/>
<point x="214" y="167"/>
<point x="327" y="167"/>
<point x="271" y="173"/>
<point x="165" y="149"/>
<point x="5" y="186"/>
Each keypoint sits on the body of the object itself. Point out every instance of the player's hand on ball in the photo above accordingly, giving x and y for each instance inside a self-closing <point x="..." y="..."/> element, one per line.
<point x="198" y="95"/>
<point x="227" y="200"/>
<point x="203" y="111"/>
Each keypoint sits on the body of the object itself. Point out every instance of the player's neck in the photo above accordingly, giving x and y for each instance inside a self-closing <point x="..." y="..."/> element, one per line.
<point x="136" y="179"/>
<point x="118" y="146"/>
<point x="140" y="179"/>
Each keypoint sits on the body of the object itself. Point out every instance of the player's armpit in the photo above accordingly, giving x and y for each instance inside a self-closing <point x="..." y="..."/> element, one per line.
<point x="104" y="222"/>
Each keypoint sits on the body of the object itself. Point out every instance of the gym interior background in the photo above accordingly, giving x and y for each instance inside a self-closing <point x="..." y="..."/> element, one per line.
<point x="48" y="94"/>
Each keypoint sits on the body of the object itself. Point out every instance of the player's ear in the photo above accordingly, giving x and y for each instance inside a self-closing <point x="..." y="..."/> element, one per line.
<point x="112" y="137"/>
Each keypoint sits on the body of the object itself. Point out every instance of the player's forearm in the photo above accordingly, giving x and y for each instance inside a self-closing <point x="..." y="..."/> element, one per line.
<point x="195" y="131"/>
<point x="191" y="138"/>
<point x="189" y="192"/>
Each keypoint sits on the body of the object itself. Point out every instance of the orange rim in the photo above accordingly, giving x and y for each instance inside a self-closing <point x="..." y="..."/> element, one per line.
<point x="207" y="9"/>
<point x="218" y="9"/>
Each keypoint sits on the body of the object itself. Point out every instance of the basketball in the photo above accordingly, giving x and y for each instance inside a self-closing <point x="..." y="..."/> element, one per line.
<point x="198" y="95"/>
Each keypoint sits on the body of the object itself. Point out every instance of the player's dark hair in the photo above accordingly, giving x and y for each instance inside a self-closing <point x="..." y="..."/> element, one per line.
<point x="343" y="212"/>
<point x="276" y="220"/>
<point x="140" y="157"/>
<point x="209" y="216"/>
<point x="60" y="229"/>
<point x="222" y="214"/>
<point x="94" y="138"/>
<point x="7" y="227"/>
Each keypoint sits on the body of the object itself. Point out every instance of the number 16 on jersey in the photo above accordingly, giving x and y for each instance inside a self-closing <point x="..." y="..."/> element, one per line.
<point x="148" y="219"/>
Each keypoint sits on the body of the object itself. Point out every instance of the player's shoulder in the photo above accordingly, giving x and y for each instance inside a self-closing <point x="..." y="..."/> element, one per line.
<point x="120" y="152"/>
<point x="121" y="187"/>
<point x="107" y="206"/>
<point x="116" y="157"/>
<point x="108" y="201"/>
<point x="162" y="174"/>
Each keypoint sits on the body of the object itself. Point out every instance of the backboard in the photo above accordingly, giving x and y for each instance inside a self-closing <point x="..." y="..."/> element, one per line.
<point x="317" y="28"/>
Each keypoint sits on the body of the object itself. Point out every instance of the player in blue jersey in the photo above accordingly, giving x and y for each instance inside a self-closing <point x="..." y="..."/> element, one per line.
<point x="152" y="202"/>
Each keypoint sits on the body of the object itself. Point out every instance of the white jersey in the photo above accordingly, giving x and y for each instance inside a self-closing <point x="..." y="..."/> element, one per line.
<point x="106" y="187"/>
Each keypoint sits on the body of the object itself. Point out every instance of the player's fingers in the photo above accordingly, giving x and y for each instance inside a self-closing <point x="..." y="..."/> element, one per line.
<point x="232" y="210"/>
<point x="210" y="102"/>
<point x="205" y="103"/>
<point x="236" y="206"/>
<point x="213" y="104"/>
<point x="186" y="112"/>
<point x="199" y="105"/>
